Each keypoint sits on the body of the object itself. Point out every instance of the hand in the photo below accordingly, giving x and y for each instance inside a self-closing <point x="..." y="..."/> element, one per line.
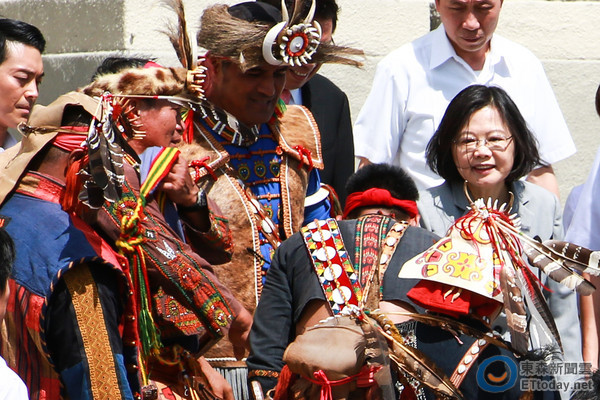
<point x="219" y="386"/>
<point x="179" y="185"/>
<point x="238" y="333"/>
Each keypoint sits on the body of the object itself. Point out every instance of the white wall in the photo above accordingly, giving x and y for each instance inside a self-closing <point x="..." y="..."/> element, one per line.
<point x="563" y="35"/>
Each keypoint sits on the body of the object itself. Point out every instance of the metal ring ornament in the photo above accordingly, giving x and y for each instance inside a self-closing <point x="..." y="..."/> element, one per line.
<point x="296" y="44"/>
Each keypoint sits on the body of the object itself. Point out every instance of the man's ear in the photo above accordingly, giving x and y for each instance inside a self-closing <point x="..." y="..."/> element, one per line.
<point x="415" y="221"/>
<point x="74" y="156"/>
<point x="133" y="106"/>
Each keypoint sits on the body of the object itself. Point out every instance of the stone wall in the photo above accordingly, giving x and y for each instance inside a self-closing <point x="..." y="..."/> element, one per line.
<point x="563" y="35"/>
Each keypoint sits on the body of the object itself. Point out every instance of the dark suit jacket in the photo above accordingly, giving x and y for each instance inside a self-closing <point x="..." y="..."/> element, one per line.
<point x="331" y="110"/>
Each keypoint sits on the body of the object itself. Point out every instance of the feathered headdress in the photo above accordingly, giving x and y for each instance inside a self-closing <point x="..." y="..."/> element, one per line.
<point x="235" y="33"/>
<point x="251" y="33"/>
<point x="481" y="265"/>
<point x="114" y="120"/>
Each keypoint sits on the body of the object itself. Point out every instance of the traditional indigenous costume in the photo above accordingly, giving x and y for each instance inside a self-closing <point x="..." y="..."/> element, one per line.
<point x="455" y="352"/>
<point x="71" y="327"/>
<point x="259" y="176"/>
<point x="341" y="262"/>
<point x="186" y="308"/>
<point x="475" y="271"/>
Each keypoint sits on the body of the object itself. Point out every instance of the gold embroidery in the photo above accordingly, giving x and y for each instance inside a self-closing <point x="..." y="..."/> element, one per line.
<point x="90" y="318"/>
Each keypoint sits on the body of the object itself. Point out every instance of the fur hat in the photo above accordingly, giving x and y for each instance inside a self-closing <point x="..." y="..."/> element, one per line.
<point x="249" y="34"/>
<point x="140" y="81"/>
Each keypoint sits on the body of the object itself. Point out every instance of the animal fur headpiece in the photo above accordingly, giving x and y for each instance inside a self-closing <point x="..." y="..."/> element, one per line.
<point x="252" y="33"/>
<point x="140" y="81"/>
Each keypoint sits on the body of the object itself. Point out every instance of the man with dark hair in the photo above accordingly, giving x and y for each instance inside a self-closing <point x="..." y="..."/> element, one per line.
<point x="385" y="176"/>
<point x="293" y="298"/>
<point x="21" y="71"/>
<point x="327" y="102"/>
<point x="255" y="157"/>
<point x="203" y="228"/>
<point x="114" y="64"/>
<point x="414" y="84"/>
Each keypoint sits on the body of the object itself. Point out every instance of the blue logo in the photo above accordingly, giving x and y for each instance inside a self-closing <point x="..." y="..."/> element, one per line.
<point x="489" y="381"/>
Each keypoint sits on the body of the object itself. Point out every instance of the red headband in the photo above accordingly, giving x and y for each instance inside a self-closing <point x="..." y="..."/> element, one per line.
<point x="152" y="64"/>
<point x="378" y="197"/>
<point x="70" y="138"/>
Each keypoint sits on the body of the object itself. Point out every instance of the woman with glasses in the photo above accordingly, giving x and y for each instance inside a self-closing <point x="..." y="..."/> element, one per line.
<point x="483" y="148"/>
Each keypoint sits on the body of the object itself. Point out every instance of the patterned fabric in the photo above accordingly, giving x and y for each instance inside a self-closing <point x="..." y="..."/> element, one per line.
<point x="330" y="260"/>
<point x="104" y="382"/>
<point x="161" y="166"/>
<point x="172" y="265"/>
<point x="369" y="234"/>
<point x="292" y="284"/>
<point x="62" y="243"/>
<point x="22" y="345"/>
<point x="257" y="166"/>
<point x="270" y="176"/>
<point x="216" y="244"/>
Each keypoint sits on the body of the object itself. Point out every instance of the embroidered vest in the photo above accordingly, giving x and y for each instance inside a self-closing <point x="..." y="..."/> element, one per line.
<point x="297" y="140"/>
<point x="345" y="282"/>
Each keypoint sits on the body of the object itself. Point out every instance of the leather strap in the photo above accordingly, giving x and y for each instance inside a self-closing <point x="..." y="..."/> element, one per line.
<point x="467" y="361"/>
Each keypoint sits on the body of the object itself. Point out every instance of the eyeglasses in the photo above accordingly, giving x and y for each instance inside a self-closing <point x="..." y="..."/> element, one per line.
<point x="495" y="143"/>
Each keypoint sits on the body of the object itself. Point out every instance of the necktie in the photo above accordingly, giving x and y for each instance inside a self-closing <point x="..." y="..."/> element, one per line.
<point x="286" y="96"/>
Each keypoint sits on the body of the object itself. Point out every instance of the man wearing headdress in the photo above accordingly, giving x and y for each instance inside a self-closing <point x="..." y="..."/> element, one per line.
<point x="327" y="102"/>
<point x="256" y="158"/>
<point x="200" y="225"/>
<point x="190" y="308"/>
<point x="383" y="199"/>
<point x="70" y="329"/>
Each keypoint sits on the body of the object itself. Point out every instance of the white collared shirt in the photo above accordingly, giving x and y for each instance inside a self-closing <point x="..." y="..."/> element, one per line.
<point x="414" y="84"/>
<point x="296" y="96"/>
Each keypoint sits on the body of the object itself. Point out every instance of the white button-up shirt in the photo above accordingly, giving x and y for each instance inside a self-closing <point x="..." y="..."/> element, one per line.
<point x="414" y="84"/>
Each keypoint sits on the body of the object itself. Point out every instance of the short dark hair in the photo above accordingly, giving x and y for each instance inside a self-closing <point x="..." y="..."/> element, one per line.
<point x="256" y="11"/>
<point x="12" y="30"/>
<point x="324" y="9"/>
<point x="7" y="258"/>
<point x="383" y="176"/>
<point x="116" y="64"/>
<point x="457" y="115"/>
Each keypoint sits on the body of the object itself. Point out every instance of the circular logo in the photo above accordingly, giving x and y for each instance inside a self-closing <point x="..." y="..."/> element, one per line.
<point x="497" y="374"/>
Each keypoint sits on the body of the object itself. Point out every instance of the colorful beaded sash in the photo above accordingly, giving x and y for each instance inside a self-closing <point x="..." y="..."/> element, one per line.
<point x="332" y="265"/>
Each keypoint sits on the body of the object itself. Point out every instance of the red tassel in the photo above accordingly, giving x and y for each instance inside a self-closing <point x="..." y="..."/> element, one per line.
<point x="70" y="197"/>
<point x="304" y="152"/>
<point x="188" y="126"/>
<point x="285" y="382"/>
<point x="197" y="164"/>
